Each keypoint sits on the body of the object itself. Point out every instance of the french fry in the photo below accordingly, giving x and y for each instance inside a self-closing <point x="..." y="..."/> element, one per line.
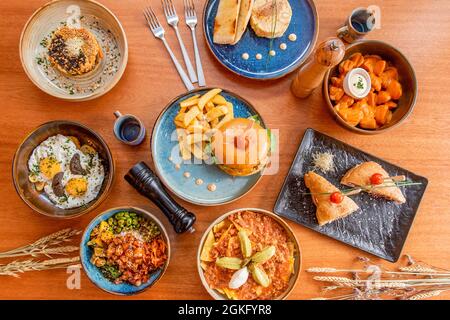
<point x="190" y="115"/>
<point x="207" y="97"/>
<point x="209" y="105"/>
<point x="216" y="113"/>
<point x="197" y="150"/>
<point x="226" y="118"/>
<point x="214" y="122"/>
<point x="189" y="102"/>
<point x="184" y="150"/>
<point x="230" y="109"/>
<point x="198" y="119"/>
<point x="195" y="138"/>
<point x="219" y="100"/>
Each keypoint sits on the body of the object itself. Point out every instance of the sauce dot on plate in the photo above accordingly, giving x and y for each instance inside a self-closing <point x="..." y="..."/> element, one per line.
<point x="187" y="174"/>
<point x="177" y="166"/>
<point x="283" y="46"/>
<point x="245" y="56"/>
<point x="272" y="53"/>
<point x="292" y="37"/>
<point x="258" y="56"/>
<point x="212" y="187"/>
<point x="199" y="182"/>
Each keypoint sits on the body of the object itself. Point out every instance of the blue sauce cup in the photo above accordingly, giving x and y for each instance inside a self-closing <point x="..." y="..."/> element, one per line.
<point x="129" y="129"/>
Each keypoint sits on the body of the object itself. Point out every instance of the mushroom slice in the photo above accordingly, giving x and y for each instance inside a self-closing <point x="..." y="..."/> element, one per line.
<point x="57" y="185"/>
<point x="75" y="165"/>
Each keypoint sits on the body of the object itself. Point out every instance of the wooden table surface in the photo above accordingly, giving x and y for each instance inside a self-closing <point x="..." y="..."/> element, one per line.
<point x="421" y="144"/>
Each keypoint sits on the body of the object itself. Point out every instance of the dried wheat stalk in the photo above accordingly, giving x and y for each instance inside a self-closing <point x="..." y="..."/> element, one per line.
<point x="48" y="245"/>
<point x="16" y="267"/>
<point x="374" y="282"/>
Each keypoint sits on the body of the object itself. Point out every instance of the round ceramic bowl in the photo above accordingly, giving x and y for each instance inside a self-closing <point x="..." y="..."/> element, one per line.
<point x="39" y="201"/>
<point x="297" y="255"/>
<point x="407" y="78"/>
<point x="95" y="275"/>
<point x="96" y="18"/>
<point x="164" y="146"/>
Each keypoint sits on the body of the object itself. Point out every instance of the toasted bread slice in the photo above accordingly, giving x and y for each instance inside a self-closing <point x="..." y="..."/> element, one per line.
<point x="360" y="176"/>
<point x="225" y="23"/>
<point x="74" y="51"/>
<point x="245" y="12"/>
<point x="327" y="211"/>
<point x="269" y="20"/>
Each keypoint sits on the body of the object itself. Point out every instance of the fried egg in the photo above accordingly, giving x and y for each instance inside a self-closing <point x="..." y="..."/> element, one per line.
<point x="71" y="177"/>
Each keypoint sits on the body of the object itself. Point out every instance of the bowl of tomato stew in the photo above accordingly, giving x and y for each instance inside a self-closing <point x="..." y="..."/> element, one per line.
<point x="249" y="254"/>
<point x="125" y="250"/>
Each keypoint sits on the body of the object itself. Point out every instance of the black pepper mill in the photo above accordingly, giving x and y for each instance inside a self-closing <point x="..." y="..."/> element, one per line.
<point x="144" y="180"/>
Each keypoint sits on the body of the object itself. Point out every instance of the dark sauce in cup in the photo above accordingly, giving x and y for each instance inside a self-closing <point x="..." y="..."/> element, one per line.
<point x="130" y="129"/>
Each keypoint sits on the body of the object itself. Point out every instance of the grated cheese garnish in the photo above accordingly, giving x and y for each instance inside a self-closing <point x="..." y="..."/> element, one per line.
<point x="323" y="161"/>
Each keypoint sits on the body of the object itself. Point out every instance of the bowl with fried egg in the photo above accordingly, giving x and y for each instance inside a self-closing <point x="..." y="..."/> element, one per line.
<point x="63" y="169"/>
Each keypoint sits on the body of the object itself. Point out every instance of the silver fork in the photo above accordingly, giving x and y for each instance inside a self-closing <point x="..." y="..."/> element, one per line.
<point x="172" y="19"/>
<point x="191" y="21"/>
<point x="158" y="32"/>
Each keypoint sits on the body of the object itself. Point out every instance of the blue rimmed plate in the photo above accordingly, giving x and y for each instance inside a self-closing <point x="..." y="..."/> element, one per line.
<point x="94" y="274"/>
<point x="164" y="147"/>
<point x="304" y="24"/>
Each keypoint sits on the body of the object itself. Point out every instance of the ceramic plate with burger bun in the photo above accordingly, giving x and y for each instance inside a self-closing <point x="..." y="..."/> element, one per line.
<point x="210" y="146"/>
<point x="74" y="50"/>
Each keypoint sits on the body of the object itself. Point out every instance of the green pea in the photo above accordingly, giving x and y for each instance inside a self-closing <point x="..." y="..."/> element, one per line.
<point x="121" y="222"/>
<point x="129" y="221"/>
<point x="119" y="215"/>
<point x="133" y="215"/>
<point x="110" y="221"/>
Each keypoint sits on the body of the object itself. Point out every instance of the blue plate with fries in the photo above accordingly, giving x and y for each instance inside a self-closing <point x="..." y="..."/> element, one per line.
<point x="263" y="58"/>
<point x="197" y="181"/>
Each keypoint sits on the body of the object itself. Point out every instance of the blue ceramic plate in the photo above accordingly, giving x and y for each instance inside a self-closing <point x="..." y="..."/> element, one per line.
<point x="304" y="24"/>
<point x="164" y="145"/>
<point x="94" y="273"/>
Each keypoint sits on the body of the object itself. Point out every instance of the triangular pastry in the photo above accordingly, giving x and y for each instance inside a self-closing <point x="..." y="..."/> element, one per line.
<point x="360" y="176"/>
<point x="327" y="211"/>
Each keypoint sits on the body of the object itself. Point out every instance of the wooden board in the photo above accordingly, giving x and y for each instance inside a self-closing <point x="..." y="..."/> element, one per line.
<point x="421" y="144"/>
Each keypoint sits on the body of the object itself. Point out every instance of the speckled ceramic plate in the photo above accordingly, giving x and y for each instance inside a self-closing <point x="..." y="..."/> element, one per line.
<point x="304" y="24"/>
<point x="94" y="274"/>
<point x="379" y="227"/>
<point x="164" y="146"/>
<point x="96" y="18"/>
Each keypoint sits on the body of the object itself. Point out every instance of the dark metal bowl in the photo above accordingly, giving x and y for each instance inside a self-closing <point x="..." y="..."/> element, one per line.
<point x="39" y="201"/>
<point x="407" y="78"/>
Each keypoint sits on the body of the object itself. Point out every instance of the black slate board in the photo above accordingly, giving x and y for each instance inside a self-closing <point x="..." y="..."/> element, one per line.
<point x="379" y="227"/>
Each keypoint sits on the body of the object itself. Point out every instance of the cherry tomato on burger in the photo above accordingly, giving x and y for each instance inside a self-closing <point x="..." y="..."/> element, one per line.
<point x="376" y="178"/>
<point x="336" y="197"/>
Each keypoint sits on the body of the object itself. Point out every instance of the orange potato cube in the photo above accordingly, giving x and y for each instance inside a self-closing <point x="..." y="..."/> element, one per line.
<point x="353" y="116"/>
<point x="395" y="89"/>
<point x="383" y="97"/>
<point x="336" y="93"/>
<point x="379" y="67"/>
<point x="388" y="75"/>
<point x="388" y="116"/>
<point x="337" y="81"/>
<point x="381" y="114"/>
<point x="369" y="64"/>
<point x="376" y="82"/>
<point x="372" y="99"/>
<point x="357" y="58"/>
<point x="391" y="104"/>
<point x="345" y="66"/>
<point x="346" y="100"/>
<point x="368" y="123"/>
